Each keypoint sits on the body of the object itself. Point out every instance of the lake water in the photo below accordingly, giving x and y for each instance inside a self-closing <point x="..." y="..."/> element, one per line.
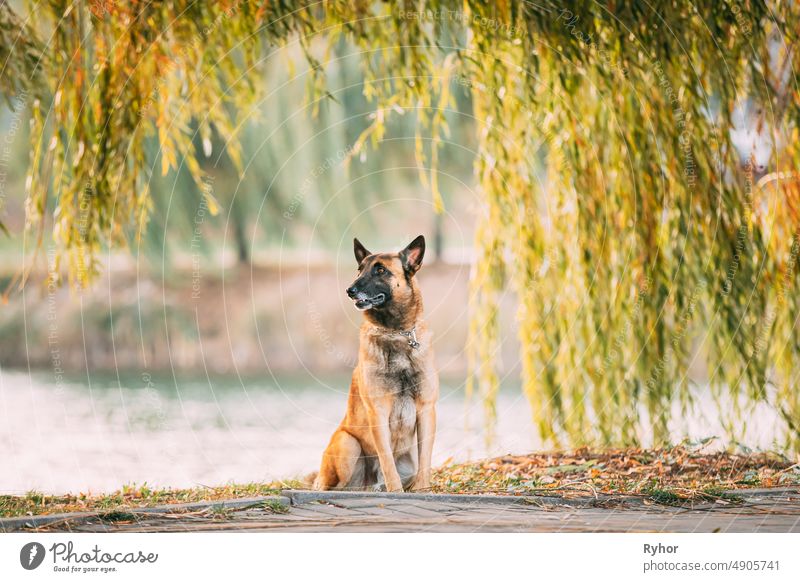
<point x="98" y="435"/>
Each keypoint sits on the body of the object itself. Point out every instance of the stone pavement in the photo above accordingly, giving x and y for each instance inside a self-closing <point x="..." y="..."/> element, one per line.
<point x="754" y="510"/>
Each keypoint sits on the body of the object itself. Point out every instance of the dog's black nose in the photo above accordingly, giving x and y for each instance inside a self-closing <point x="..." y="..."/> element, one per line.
<point x="352" y="291"/>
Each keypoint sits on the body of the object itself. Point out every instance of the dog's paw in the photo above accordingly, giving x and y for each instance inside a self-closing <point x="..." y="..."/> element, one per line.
<point x="421" y="485"/>
<point x="398" y="488"/>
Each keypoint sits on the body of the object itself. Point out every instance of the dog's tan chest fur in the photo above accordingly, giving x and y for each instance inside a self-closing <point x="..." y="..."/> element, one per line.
<point x="402" y="422"/>
<point x="394" y="364"/>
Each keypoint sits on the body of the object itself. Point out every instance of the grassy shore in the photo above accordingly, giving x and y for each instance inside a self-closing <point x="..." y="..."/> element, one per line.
<point x="674" y="475"/>
<point x="671" y="475"/>
<point x="133" y="497"/>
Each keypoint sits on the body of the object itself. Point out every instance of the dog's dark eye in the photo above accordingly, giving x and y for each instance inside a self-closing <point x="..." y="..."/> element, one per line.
<point x="380" y="271"/>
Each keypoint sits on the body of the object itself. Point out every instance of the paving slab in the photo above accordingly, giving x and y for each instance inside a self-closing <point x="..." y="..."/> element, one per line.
<point x="770" y="510"/>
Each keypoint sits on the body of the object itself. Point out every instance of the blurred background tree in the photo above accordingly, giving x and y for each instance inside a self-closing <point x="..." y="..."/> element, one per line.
<point x="636" y="164"/>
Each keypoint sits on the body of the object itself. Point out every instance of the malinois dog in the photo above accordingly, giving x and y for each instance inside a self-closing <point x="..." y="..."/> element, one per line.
<point x="386" y="437"/>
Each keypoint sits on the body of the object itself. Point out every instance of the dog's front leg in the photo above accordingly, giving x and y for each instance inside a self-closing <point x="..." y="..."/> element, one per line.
<point x="382" y="439"/>
<point x="426" y="430"/>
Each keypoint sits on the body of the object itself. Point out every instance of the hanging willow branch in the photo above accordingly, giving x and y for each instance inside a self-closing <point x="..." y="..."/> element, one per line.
<point x="615" y="202"/>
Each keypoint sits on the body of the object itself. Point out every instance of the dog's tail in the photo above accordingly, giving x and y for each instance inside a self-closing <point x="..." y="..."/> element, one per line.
<point x="309" y="479"/>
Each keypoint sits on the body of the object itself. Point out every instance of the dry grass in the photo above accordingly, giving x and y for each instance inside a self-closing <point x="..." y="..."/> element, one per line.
<point x="664" y="475"/>
<point x="670" y="476"/>
<point x="133" y="497"/>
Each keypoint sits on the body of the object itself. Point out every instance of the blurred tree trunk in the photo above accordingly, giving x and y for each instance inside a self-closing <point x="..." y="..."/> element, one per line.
<point x="238" y="217"/>
<point x="438" y="237"/>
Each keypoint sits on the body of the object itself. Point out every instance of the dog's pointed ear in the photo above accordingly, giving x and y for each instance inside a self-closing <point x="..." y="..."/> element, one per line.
<point x="360" y="251"/>
<point x="413" y="253"/>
